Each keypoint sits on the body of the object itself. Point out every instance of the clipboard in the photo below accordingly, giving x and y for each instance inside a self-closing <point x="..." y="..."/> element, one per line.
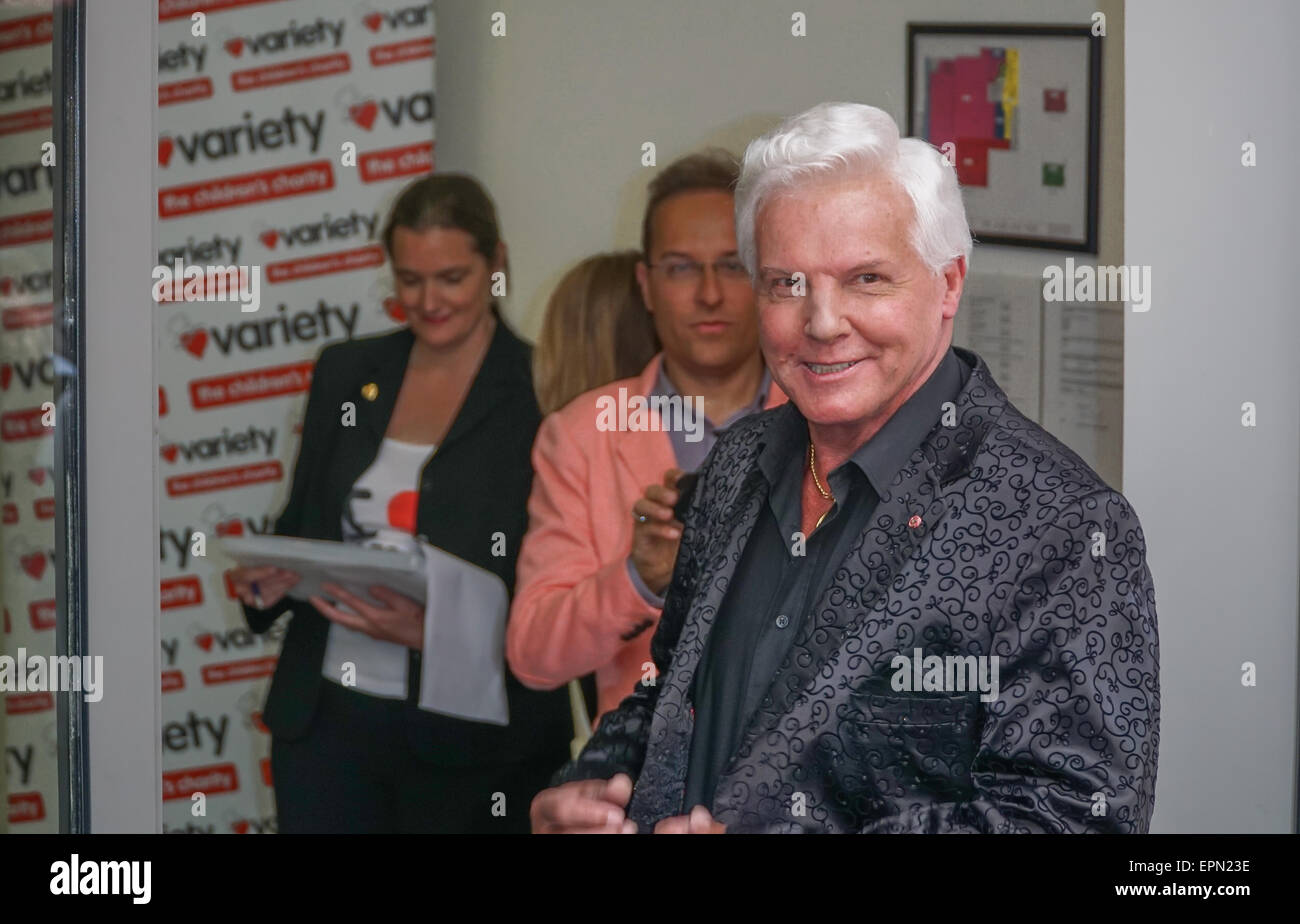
<point x="352" y="566"/>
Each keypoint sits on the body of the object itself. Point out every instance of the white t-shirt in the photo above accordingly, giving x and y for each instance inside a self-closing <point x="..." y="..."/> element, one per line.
<point x="380" y="511"/>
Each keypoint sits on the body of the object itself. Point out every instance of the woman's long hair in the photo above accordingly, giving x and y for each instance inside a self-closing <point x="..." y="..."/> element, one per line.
<point x="596" y="330"/>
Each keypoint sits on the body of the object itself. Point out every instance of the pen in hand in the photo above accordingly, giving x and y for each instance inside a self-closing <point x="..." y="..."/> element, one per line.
<point x="257" y="596"/>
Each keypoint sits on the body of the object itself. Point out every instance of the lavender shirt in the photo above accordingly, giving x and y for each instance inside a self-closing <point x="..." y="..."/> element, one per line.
<point x="691" y="455"/>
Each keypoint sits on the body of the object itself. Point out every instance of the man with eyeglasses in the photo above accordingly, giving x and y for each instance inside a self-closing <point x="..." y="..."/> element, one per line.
<point x="603" y="536"/>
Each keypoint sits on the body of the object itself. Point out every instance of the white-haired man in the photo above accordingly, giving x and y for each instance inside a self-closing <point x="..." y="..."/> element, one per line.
<point x="899" y="604"/>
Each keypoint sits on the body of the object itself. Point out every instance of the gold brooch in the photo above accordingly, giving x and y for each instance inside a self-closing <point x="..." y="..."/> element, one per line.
<point x="370" y="391"/>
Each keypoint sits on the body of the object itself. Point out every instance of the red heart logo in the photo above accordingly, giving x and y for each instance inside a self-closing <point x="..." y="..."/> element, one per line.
<point x="373" y="21"/>
<point x="233" y="527"/>
<point x="169" y="452"/>
<point x="270" y="238"/>
<point x="204" y="641"/>
<point x="34" y="564"/>
<point x="239" y="827"/>
<point x="393" y="308"/>
<point x="364" y="113"/>
<point x="37" y="475"/>
<point x="235" y="46"/>
<point x="6" y="284"/>
<point x="6" y="376"/>
<point x="196" y="341"/>
<point x="165" y="147"/>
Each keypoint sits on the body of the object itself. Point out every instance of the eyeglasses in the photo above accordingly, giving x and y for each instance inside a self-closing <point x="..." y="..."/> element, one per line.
<point x="689" y="271"/>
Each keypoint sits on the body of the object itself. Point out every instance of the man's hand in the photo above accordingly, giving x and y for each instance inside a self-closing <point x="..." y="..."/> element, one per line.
<point x="699" y="821"/>
<point x="401" y="621"/>
<point x="654" y="542"/>
<point x="584" y="807"/>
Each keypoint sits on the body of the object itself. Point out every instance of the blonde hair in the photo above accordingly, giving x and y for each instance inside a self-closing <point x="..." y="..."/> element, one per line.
<point x="596" y="330"/>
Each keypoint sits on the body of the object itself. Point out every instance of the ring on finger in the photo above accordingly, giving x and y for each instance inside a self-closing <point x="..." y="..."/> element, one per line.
<point x="641" y="518"/>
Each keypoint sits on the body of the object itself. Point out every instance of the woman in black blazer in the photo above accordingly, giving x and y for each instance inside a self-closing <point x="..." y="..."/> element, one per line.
<point x="451" y="392"/>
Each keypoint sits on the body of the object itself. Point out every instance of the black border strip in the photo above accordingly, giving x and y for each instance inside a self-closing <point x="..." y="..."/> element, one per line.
<point x="69" y="402"/>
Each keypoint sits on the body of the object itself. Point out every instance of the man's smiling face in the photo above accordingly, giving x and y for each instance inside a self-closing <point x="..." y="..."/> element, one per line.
<point x="873" y="321"/>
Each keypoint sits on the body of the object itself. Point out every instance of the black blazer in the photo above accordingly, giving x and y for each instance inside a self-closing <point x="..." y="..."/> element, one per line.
<point x="985" y="544"/>
<point x="475" y="485"/>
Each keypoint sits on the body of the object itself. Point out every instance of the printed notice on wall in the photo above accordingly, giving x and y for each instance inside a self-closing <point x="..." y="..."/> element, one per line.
<point x="1060" y="363"/>
<point x="1001" y="319"/>
<point x="1083" y="382"/>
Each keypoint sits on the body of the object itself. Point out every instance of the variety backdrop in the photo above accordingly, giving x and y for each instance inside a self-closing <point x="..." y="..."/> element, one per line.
<point x="254" y="122"/>
<point x="27" y="567"/>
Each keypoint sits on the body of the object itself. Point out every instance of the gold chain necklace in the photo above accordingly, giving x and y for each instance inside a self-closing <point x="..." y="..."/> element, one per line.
<point x="812" y="467"/>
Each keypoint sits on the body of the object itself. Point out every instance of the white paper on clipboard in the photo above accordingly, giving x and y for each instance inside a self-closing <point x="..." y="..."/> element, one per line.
<point x="463" y="671"/>
<point x="353" y="567"/>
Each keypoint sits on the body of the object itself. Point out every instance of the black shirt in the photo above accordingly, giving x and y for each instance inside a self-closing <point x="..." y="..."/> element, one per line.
<point x="774" y="585"/>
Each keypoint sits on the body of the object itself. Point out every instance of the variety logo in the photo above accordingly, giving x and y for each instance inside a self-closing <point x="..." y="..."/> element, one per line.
<point x="196" y="733"/>
<point x="215" y="249"/>
<point x="415" y="107"/>
<point x="294" y="35"/>
<point x="409" y="17"/>
<point x="23" y="85"/>
<point x="281" y="330"/>
<point x="228" y="640"/>
<point x="25" y="179"/>
<point x="329" y="228"/>
<point x="182" y="56"/>
<point x="224" y="444"/>
<point x="28" y="372"/>
<point x="246" y="137"/>
<point x="38" y="284"/>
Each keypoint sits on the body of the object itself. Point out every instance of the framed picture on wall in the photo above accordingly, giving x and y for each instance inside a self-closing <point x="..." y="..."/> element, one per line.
<point x="1017" y="111"/>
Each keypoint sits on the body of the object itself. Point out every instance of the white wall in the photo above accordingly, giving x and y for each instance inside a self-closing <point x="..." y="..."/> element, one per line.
<point x="121" y="437"/>
<point x="552" y="116"/>
<point x="1218" y="502"/>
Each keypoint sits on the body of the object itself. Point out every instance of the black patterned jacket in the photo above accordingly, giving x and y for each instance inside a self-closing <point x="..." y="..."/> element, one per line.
<point x="1021" y="552"/>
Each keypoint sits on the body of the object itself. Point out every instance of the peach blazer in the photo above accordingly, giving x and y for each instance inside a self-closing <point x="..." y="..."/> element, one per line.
<point x="575" y="608"/>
